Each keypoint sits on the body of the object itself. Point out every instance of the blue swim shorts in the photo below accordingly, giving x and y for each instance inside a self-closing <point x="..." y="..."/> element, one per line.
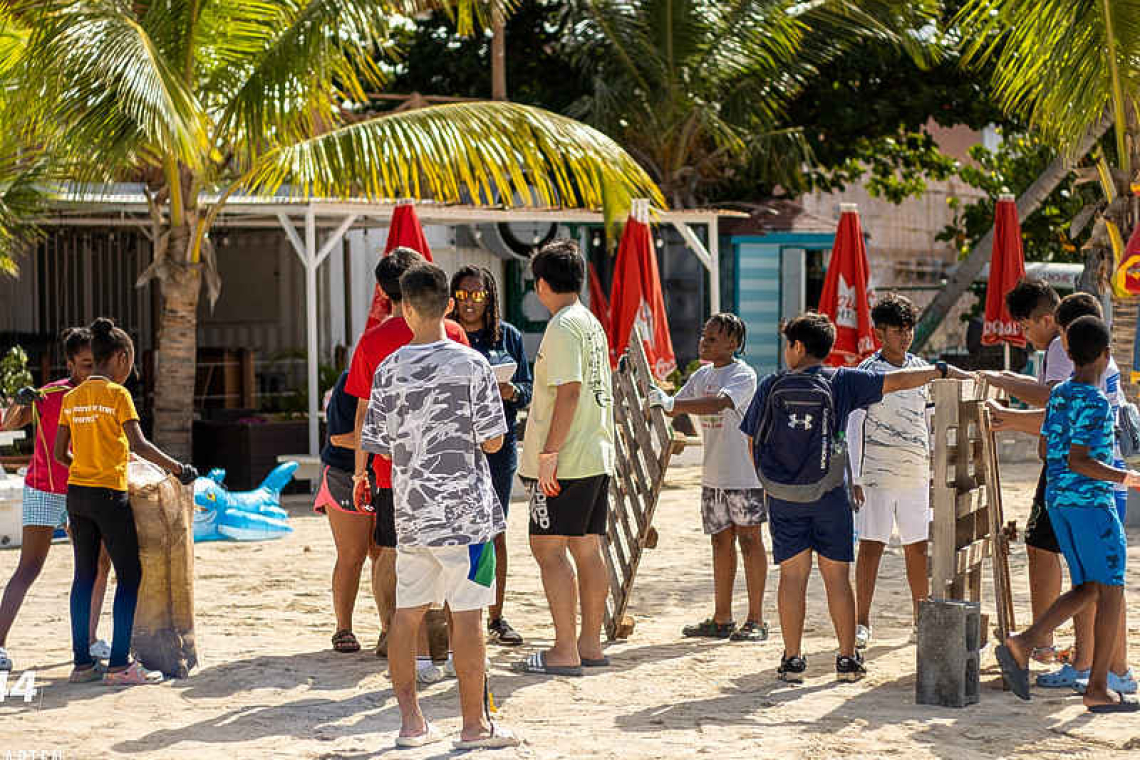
<point x="1092" y="541"/>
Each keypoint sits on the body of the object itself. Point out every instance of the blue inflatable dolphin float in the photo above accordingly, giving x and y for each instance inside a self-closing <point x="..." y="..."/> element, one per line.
<point x="254" y="515"/>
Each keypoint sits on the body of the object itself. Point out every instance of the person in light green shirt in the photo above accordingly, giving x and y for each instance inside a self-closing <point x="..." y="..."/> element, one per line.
<point x="567" y="461"/>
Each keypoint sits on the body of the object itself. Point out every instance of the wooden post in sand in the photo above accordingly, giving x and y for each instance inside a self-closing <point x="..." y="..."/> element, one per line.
<point x="163" y="636"/>
<point x="966" y="496"/>
<point x="644" y="447"/>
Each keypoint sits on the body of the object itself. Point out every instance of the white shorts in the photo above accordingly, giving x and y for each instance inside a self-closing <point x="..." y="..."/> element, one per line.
<point x="875" y="520"/>
<point x="462" y="576"/>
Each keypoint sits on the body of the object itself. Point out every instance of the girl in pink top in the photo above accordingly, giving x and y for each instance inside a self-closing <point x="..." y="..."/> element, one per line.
<point x="45" y="489"/>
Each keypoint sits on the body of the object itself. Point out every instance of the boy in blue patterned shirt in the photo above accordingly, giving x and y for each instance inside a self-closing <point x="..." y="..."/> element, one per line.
<point x="1077" y="442"/>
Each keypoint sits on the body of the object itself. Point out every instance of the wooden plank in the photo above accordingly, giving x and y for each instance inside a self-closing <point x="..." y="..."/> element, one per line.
<point x="942" y="528"/>
<point x="969" y="557"/>
<point x="648" y="446"/>
<point x="969" y="502"/>
<point x="1003" y="595"/>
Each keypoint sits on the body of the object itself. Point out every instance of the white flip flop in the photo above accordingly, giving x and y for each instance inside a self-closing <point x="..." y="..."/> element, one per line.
<point x="431" y="735"/>
<point x="499" y="738"/>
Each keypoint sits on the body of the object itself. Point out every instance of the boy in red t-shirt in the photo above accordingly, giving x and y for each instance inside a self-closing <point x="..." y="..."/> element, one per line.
<point x="375" y="345"/>
<point x="45" y="490"/>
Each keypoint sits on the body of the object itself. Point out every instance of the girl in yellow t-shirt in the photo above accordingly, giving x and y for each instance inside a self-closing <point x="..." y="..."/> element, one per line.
<point x="99" y="424"/>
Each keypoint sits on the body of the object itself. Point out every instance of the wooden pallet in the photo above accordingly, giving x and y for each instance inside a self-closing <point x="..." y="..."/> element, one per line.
<point x="966" y="496"/>
<point x="644" y="445"/>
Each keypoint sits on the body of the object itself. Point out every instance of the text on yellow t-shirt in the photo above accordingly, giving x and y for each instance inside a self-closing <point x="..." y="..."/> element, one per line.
<point x="95" y="413"/>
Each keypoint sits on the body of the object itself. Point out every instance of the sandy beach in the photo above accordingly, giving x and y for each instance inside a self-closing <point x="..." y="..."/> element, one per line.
<point x="269" y="686"/>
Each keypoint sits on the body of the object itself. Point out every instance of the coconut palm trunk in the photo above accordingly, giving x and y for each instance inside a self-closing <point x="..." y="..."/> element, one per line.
<point x="176" y="359"/>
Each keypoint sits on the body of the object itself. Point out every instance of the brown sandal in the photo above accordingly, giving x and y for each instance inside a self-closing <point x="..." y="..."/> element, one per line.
<point x="344" y="641"/>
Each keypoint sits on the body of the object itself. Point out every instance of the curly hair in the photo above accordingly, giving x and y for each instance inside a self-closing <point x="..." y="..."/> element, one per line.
<point x="894" y="310"/>
<point x="732" y="326"/>
<point x="491" y="320"/>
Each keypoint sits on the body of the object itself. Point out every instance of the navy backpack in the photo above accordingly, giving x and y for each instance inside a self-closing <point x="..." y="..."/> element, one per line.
<point x="799" y="456"/>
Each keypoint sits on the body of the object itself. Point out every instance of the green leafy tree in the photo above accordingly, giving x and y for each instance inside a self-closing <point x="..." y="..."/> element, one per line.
<point x="1068" y="68"/>
<point x="698" y="91"/>
<point x="215" y="96"/>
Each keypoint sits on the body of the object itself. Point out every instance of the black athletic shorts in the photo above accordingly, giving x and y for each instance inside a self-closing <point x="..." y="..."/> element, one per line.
<point x="1039" y="530"/>
<point x="385" y="532"/>
<point x="580" y="509"/>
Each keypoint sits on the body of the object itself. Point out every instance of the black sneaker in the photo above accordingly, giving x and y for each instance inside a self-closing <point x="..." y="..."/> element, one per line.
<point x="709" y="629"/>
<point x="791" y="669"/>
<point x="502" y="633"/>
<point x="849" y="668"/>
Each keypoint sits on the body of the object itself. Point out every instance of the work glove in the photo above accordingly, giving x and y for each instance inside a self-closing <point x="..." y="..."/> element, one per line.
<point x="658" y="397"/>
<point x="188" y="474"/>
<point x="27" y="396"/>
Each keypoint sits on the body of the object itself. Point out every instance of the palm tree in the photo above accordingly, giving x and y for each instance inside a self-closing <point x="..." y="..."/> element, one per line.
<point x="23" y="170"/>
<point x="1068" y="67"/>
<point x="213" y="96"/>
<point x="695" y="89"/>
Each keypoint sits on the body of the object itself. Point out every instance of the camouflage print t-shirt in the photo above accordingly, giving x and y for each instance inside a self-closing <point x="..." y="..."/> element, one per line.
<point x="431" y="407"/>
<point x="1079" y="414"/>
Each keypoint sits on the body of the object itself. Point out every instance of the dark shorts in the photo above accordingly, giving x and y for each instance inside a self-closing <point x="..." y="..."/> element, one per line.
<point x="826" y="527"/>
<point x="580" y="509"/>
<point x="1092" y="540"/>
<point x="1039" y="529"/>
<point x="503" y="464"/>
<point x="336" y="492"/>
<point x="384" y="534"/>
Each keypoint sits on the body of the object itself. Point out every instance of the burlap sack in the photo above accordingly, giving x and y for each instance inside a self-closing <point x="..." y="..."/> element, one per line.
<point x="163" y="637"/>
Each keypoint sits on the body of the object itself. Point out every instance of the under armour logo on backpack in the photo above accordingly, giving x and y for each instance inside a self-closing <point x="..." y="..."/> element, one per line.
<point x="802" y="421"/>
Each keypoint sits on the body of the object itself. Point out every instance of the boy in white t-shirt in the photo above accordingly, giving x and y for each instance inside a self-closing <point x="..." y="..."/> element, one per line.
<point x="732" y="502"/>
<point x="889" y="445"/>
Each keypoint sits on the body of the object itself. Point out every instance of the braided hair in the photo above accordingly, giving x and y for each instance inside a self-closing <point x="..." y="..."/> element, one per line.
<point x="732" y="326"/>
<point x="491" y="320"/>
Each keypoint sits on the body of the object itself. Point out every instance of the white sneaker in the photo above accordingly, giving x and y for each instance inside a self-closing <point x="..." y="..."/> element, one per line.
<point x="862" y="636"/>
<point x="449" y="667"/>
<point x="428" y="674"/>
<point x="100" y="650"/>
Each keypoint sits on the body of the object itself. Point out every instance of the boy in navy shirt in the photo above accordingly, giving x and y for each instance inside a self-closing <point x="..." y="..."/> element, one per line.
<point x="824" y="525"/>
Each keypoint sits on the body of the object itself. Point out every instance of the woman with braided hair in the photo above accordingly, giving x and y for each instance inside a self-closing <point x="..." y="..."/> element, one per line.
<point x="45" y="491"/>
<point x="477" y="310"/>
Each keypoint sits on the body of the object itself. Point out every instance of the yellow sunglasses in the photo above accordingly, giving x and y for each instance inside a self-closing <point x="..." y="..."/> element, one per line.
<point x="477" y="296"/>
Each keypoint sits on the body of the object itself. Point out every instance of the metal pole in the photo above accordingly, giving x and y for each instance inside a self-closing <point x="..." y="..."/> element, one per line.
<point x="714" y="265"/>
<point x="311" y="265"/>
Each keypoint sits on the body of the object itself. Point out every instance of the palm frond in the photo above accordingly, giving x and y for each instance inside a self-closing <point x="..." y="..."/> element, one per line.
<point x="308" y="56"/>
<point x="22" y="199"/>
<point x="488" y="153"/>
<point x="1050" y="58"/>
<point x="97" y="69"/>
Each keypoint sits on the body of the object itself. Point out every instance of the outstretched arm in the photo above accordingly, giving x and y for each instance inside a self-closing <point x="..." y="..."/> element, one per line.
<point x="147" y="450"/>
<point x="1023" y="387"/>
<point x="905" y="379"/>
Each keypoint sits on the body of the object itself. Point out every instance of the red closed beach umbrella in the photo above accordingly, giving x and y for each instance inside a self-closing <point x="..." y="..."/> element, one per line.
<point x="1007" y="266"/>
<point x="405" y="231"/>
<point x="599" y="304"/>
<point x="844" y="296"/>
<point x="636" y="302"/>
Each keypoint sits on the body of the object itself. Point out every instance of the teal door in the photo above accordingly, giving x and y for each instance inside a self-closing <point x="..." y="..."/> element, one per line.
<point x="758" y="302"/>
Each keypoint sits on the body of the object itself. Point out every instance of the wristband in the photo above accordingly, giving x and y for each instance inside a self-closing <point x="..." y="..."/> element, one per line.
<point x="943" y="368"/>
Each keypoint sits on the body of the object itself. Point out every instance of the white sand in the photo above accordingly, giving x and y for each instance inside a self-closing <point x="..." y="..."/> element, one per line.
<point x="269" y="685"/>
